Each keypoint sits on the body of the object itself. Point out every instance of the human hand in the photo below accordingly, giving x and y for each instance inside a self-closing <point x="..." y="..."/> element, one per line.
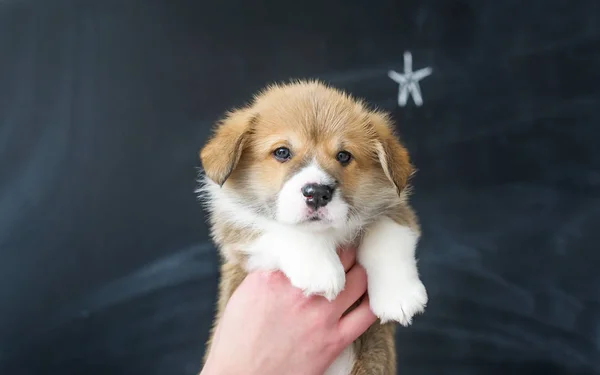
<point x="270" y="327"/>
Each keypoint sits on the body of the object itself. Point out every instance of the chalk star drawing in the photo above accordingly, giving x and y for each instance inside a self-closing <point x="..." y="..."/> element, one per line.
<point x="409" y="81"/>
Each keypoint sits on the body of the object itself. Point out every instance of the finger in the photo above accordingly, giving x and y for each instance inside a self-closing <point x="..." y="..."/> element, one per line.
<point x="356" y="322"/>
<point x="356" y="286"/>
<point x="348" y="257"/>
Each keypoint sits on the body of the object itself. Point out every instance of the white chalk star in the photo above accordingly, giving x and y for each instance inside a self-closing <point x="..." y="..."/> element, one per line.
<point x="409" y="81"/>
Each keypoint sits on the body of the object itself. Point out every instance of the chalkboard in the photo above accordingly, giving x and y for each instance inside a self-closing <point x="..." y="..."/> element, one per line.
<point x="105" y="262"/>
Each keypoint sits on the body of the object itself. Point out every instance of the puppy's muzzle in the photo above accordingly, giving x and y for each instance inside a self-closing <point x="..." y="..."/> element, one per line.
<point x="317" y="195"/>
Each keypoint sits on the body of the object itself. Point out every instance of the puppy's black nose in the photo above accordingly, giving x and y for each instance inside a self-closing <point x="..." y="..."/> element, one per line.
<point x="317" y="195"/>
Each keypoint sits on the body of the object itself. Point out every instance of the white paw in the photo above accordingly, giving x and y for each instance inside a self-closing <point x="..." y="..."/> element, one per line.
<point x="398" y="301"/>
<point x="309" y="261"/>
<point x="323" y="277"/>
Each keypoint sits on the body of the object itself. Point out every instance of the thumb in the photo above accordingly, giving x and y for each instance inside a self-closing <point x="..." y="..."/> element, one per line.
<point x="348" y="257"/>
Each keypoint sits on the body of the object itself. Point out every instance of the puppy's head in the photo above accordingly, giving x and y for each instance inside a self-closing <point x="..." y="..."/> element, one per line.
<point x="309" y="155"/>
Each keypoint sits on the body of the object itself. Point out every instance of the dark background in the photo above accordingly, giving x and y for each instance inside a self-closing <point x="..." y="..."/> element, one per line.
<point x="105" y="264"/>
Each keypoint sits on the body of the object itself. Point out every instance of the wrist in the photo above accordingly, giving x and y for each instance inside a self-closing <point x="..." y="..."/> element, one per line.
<point x="208" y="369"/>
<point x="211" y="368"/>
<point x="211" y="371"/>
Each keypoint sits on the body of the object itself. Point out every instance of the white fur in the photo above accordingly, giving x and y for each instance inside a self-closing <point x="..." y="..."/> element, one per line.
<point x="343" y="363"/>
<point x="229" y="207"/>
<point x="387" y="253"/>
<point x="291" y="204"/>
<point x="310" y="261"/>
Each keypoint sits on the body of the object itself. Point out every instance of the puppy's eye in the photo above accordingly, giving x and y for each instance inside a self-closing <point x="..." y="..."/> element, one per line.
<point x="282" y="154"/>
<point x="344" y="157"/>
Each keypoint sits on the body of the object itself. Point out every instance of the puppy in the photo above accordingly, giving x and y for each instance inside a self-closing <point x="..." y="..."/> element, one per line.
<point x="301" y="170"/>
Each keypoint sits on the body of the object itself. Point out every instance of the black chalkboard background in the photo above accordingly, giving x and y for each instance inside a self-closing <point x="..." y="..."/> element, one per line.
<point x="105" y="264"/>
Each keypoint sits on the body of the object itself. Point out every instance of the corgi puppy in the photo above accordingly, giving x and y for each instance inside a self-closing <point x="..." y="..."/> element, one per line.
<point x="307" y="168"/>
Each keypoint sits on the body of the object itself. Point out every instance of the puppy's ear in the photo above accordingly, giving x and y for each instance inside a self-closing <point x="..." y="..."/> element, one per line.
<point x="392" y="155"/>
<point x="222" y="152"/>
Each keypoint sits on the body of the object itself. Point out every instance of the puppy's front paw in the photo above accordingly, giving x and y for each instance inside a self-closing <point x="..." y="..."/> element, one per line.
<point x="398" y="301"/>
<point x="320" y="278"/>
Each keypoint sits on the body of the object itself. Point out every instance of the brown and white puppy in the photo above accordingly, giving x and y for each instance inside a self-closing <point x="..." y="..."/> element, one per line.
<point x="303" y="169"/>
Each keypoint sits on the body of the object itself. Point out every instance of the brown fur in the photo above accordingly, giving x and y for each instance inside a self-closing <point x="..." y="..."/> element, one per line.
<point x="316" y="122"/>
